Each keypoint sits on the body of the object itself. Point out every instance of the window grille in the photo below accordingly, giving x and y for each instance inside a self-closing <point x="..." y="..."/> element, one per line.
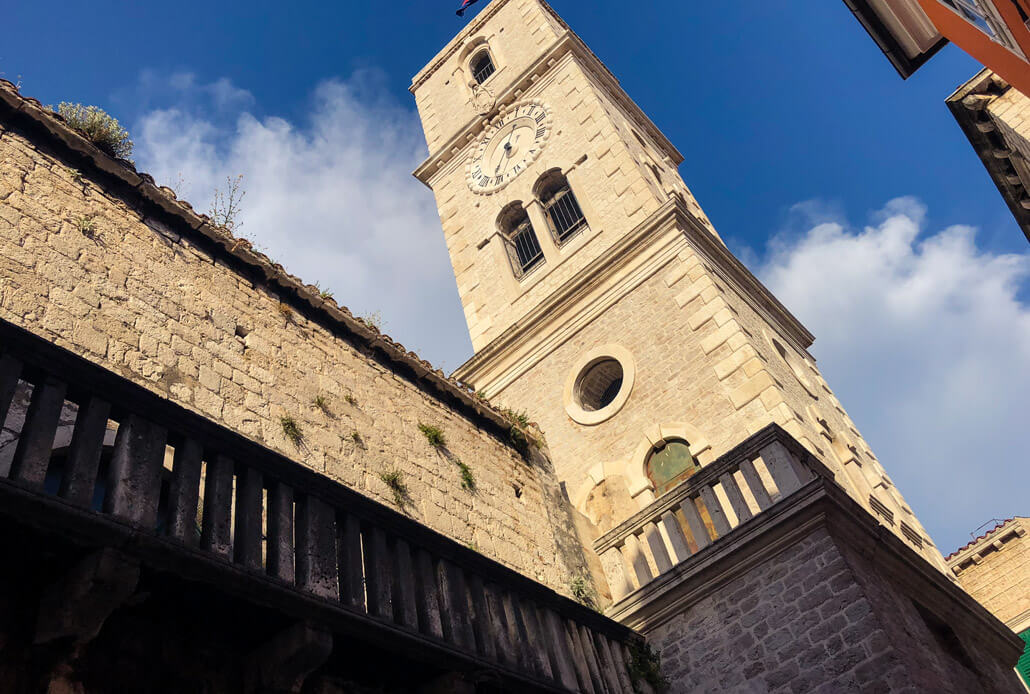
<point x="482" y="67"/>
<point x="565" y="215"/>
<point x="524" y="249"/>
<point x="985" y="16"/>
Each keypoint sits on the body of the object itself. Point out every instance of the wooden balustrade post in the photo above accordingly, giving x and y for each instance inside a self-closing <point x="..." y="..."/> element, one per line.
<point x="316" y="547"/>
<point x="36" y="441"/>
<point x="281" y="553"/>
<point x="134" y="480"/>
<point x="379" y="573"/>
<point x="481" y="624"/>
<point x="621" y="666"/>
<point x="428" y="590"/>
<point x="184" y="492"/>
<point x="216" y="532"/>
<point x="607" y="663"/>
<point x="499" y="626"/>
<point x="404" y="611"/>
<point x="10" y="372"/>
<point x="561" y="654"/>
<point x="352" y="576"/>
<point x="249" y="516"/>
<point x="87" y="447"/>
<point x="579" y="658"/>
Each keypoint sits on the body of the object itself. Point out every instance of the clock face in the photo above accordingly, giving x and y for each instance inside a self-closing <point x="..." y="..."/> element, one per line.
<point x="510" y="144"/>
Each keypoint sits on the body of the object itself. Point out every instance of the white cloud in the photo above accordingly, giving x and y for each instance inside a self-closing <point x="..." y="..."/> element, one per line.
<point x="923" y="336"/>
<point x="926" y="342"/>
<point x="332" y="198"/>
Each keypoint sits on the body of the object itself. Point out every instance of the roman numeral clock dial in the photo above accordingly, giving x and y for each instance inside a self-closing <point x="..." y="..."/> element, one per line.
<point x="509" y="145"/>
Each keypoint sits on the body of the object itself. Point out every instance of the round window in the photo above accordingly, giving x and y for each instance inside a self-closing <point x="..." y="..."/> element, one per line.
<point x="599" y="385"/>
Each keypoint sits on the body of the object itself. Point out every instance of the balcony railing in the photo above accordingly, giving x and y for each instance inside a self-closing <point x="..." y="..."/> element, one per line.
<point x="252" y="521"/>
<point x="723" y="495"/>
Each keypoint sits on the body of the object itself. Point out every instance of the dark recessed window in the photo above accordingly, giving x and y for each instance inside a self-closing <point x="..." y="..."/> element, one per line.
<point x="482" y="67"/>
<point x="599" y="385"/>
<point x="520" y="240"/>
<point x="564" y="214"/>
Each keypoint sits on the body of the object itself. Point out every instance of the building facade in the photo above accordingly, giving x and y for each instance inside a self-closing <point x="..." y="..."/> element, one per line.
<point x="599" y="297"/>
<point x="995" y="569"/>
<point x="996" y="33"/>
<point x="214" y="478"/>
<point x="910" y="32"/>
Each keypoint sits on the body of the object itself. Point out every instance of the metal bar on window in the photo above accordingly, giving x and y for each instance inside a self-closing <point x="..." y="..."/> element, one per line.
<point x="565" y="214"/>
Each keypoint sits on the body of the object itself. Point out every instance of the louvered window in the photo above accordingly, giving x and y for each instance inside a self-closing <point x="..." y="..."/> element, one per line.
<point x="1023" y="666"/>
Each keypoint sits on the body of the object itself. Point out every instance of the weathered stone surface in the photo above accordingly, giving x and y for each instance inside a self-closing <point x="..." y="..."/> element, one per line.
<point x="157" y="310"/>
<point x="821" y="618"/>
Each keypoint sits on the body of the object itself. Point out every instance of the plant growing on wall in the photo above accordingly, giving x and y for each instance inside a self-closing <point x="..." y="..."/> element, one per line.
<point x="394" y="479"/>
<point x="322" y="403"/>
<point x="517" y="418"/>
<point x="645" y="667"/>
<point x="226" y="205"/>
<point x="351" y="400"/>
<point x="98" y="127"/>
<point x="291" y="430"/>
<point x="87" y="225"/>
<point x="323" y="293"/>
<point x="434" y="435"/>
<point x="468" y="480"/>
<point x="355" y="436"/>
<point x="583" y="592"/>
<point x="519" y="440"/>
<point x="285" y="311"/>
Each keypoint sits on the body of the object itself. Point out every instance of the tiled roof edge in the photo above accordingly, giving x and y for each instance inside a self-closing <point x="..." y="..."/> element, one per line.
<point x="969" y="544"/>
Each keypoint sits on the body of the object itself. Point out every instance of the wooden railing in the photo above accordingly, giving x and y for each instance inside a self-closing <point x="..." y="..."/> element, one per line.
<point x="723" y="495"/>
<point x="194" y="494"/>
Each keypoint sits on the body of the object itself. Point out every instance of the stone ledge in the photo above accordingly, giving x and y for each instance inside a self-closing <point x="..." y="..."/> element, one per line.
<point x="819" y="504"/>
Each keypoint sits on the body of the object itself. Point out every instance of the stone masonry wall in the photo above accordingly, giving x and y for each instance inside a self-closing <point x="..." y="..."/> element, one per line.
<point x="812" y="620"/>
<point x="144" y="302"/>
<point x="705" y="357"/>
<point x="1000" y="576"/>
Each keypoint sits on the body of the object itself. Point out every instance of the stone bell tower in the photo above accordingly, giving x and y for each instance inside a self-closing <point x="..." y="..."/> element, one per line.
<point x="598" y="295"/>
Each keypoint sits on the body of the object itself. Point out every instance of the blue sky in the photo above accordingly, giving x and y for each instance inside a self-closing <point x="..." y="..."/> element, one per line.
<point x="812" y="157"/>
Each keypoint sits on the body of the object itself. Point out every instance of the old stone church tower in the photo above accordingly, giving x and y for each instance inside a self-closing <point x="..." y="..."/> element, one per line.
<point x="214" y="478"/>
<point x="598" y="295"/>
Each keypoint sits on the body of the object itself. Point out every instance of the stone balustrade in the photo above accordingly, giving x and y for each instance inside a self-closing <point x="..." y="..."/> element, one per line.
<point x="719" y="498"/>
<point x="188" y="496"/>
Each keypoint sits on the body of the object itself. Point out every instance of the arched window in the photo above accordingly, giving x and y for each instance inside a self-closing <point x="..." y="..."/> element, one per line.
<point x="669" y="463"/>
<point x="564" y="215"/>
<point x="520" y="240"/>
<point x="482" y="66"/>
